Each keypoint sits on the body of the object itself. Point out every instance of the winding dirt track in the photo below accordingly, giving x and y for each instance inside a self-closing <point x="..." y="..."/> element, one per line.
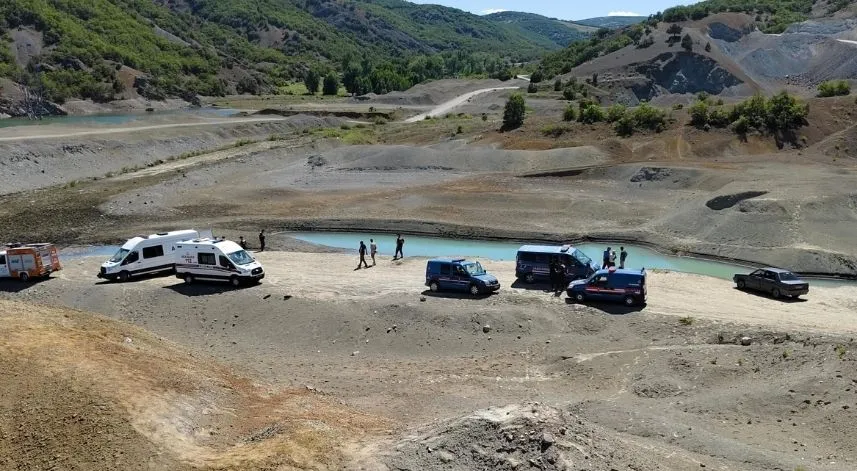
<point x="447" y="106"/>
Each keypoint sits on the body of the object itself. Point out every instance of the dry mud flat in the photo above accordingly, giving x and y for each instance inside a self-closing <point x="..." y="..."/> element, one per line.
<point x="517" y="380"/>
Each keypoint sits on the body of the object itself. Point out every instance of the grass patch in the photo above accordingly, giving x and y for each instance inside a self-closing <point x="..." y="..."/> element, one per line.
<point x="687" y="320"/>
<point x="555" y="130"/>
<point x="841" y="351"/>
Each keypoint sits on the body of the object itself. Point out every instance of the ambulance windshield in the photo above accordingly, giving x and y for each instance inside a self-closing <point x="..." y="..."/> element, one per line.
<point x="119" y="256"/>
<point x="241" y="257"/>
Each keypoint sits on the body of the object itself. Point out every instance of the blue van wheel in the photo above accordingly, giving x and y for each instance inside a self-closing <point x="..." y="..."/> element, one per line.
<point x="434" y="287"/>
<point x="474" y="290"/>
<point x="630" y="301"/>
<point x="530" y="278"/>
<point x="580" y="296"/>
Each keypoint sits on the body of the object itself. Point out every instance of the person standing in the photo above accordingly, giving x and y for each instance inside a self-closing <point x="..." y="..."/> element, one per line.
<point x="612" y="258"/>
<point x="623" y="255"/>
<point x="242" y="242"/>
<point x="362" y="256"/>
<point x="552" y="270"/>
<point x="373" y="249"/>
<point x="262" y="240"/>
<point x="561" y="284"/>
<point x="400" y="243"/>
<point x="605" y="259"/>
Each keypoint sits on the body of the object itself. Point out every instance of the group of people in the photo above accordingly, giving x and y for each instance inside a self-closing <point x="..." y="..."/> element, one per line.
<point x="243" y="242"/>
<point x="609" y="258"/>
<point x="373" y="250"/>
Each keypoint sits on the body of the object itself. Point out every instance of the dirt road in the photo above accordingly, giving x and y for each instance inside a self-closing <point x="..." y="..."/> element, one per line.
<point x="332" y="277"/>
<point x="448" y="106"/>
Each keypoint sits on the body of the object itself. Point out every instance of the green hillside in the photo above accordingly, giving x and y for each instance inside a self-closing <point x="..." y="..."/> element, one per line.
<point x="557" y="31"/>
<point x="213" y="47"/>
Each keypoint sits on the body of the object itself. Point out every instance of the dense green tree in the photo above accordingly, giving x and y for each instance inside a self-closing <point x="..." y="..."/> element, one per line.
<point x="532" y="88"/>
<point x="312" y="81"/>
<point x="675" y="32"/>
<point x="591" y="113"/>
<point x="557" y="85"/>
<point x="687" y="43"/>
<point x="537" y="76"/>
<point x="514" y="112"/>
<point x="331" y="84"/>
<point x="699" y="114"/>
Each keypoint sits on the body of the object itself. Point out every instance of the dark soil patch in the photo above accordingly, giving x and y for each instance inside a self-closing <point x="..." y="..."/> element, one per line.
<point x="727" y="201"/>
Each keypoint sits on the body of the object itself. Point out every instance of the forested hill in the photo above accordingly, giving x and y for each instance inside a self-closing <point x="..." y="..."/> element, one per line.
<point x="104" y="49"/>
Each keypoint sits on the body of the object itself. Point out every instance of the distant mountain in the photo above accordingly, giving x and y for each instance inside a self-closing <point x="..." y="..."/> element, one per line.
<point x="611" y="22"/>
<point x="557" y="31"/>
<point x="108" y="49"/>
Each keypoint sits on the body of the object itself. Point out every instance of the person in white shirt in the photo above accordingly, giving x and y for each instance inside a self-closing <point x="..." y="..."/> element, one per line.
<point x="373" y="249"/>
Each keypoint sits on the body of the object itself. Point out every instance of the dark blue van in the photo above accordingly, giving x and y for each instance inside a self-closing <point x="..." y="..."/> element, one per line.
<point x="622" y="285"/>
<point x="459" y="274"/>
<point x="533" y="262"/>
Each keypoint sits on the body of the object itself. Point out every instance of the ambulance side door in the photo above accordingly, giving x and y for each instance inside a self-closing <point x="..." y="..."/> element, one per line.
<point x="4" y="269"/>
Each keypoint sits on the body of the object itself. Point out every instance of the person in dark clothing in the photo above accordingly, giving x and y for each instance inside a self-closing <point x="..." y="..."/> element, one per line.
<point x="561" y="282"/>
<point x="606" y="259"/>
<point x="400" y="243"/>
<point x="242" y="242"/>
<point x="622" y="256"/>
<point x="362" y="256"/>
<point x="262" y="240"/>
<point x="552" y="268"/>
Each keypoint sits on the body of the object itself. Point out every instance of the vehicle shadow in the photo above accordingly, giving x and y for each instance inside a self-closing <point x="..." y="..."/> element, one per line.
<point x="614" y="309"/>
<point x="534" y="286"/>
<point x="12" y="285"/>
<point x="201" y="288"/>
<point x="455" y="294"/>
<point x="759" y="294"/>
<point x="133" y="279"/>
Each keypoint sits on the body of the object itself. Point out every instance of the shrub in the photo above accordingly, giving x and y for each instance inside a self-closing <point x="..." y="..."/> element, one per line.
<point x="645" y="42"/>
<point x="834" y="88"/>
<point x="592" y="113"/>
<point x="557" y="85"/>
<point x="312" y="81"/>
<point x="624" y="126"/>
<point x="532" y="88"/>
<point x="687" y="43"/>
<point x="569" y="94"/>
<point x="678" y="106"/>
<point x="537" y="76"/>
<point x="708" y="47"/>
<point x="570" y="113"/>
<point x="554" y="130"/>
<point x="615" y="113"/>
<point x="647" y="116"/>
<point x="513" y="114"/>
<point x="718" y="117"/>
<point x="741" y="125"/>
<point x="785" y="112"/>
<point x="699" y="114"/>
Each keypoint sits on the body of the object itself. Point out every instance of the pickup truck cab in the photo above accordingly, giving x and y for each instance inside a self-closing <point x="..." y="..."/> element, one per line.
<point x="774" y="281"/>
<point x="459" y="275"/>
<point x="612" y="284"/>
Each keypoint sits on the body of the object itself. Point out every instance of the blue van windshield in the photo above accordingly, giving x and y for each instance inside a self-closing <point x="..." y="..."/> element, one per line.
<point x="581" y="257"/>
<point x="474" y="269"/>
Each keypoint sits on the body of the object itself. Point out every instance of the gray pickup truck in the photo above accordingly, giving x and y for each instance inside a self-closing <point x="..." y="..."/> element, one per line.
<point x="774" y="281"/>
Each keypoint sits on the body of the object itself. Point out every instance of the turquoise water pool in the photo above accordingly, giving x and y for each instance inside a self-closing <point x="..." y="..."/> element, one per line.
<point x="420" y="246"/>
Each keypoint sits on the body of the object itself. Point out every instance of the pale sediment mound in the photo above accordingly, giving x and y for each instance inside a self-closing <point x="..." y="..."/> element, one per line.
<point x="522" y="436"/>
<point x="84" y="392"/>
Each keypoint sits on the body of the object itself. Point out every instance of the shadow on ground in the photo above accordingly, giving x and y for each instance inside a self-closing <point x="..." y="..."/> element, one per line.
<point x="759" y="294"/>
<point x="12" y="285"/>
<point x="455" y="294"/>
<point x="614" y="309"/>
<point x="201" y="288"/>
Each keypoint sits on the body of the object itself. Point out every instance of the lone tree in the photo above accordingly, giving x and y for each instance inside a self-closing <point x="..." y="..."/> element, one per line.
<point x="537" y="76"/>
<point x="687" y="43"/>
<point x="331" y="84"/>
<point x="675" y="32"/>
<point x="312" y="80"/>
<point x="557" y="85"/>
<point x="707" y="47"/>
<point x="513" y="115"/>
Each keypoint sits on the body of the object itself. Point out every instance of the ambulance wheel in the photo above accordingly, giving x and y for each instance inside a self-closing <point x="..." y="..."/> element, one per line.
<point x="235" y="281"/>
<point x="474" y="290"/>
<point x="433" y="286"/>
<point x="579" y="297"/>
<point x="24" y="276"/>
<point x="630" y="301"/>
<point x="530" y="278"/>
<point x="188" y="278"/>
<point x="124" y="276"/>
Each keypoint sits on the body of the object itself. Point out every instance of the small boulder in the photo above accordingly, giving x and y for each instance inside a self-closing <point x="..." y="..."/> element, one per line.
<point x="746" y="341"/>
<point x="486" y="328"/>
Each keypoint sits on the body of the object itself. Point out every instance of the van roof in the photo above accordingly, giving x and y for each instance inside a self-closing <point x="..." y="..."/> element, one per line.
<point x="227" y="246"/>
<point x="449" y="260"/>
<point x="555" y="249"/>
<point x="160" y="235"/>
<point x="622" y="271"/>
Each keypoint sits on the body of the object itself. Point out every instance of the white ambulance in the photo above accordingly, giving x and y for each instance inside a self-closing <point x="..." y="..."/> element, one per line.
<point x="145" y="254"/>
<point x="216" y="260"/>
